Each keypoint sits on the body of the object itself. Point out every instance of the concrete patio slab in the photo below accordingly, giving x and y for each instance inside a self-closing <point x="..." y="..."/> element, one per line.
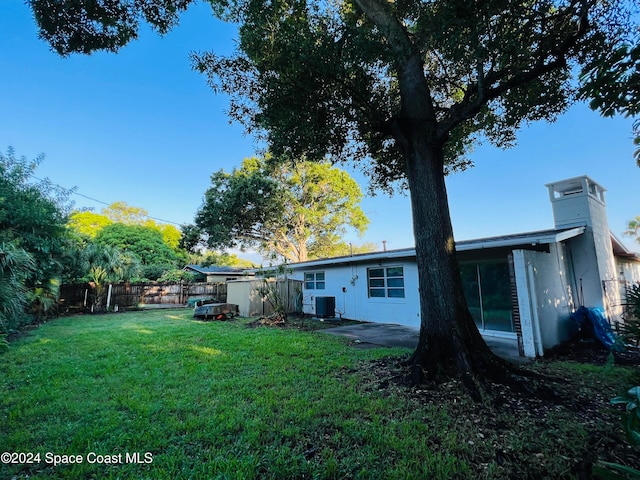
<point x="370" y="335"/>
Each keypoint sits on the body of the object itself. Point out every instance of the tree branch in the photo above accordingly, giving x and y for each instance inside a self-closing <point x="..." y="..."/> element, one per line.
<point x="480" y="93"/>
<point x="415" y="93"/>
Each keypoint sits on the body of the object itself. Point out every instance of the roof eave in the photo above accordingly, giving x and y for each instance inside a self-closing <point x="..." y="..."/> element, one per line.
<point x="533" y="238"/>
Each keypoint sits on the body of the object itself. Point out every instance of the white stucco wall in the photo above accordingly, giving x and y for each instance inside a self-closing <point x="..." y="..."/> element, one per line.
<point x="585" y="271"/>
<point x="581" y="201"/>
<point x="629" y="275"/>
<point x="554" y="295"/>
<point x="348" y="284"/>
<point x="544" y="297"/>
<point x="628" y="271"/>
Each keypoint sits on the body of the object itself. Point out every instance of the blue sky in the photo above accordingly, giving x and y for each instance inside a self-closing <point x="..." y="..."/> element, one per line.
<point x="141" y="127"/>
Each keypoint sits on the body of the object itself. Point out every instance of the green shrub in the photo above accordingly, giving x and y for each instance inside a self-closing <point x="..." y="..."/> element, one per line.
<point x="629" y="330"/>
<point x="633" y="301"/>
<point x="176" y="275"/>
<point x="15" y="266"/>
<point x="631" y="415"/>
<point x="155" y="270"/>
<point x="631" y="425"/>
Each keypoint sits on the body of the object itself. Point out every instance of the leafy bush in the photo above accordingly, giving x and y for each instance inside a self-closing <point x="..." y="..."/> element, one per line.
<point x="15" y="266"/>
<point x="33" y="239"/>
<point x="271" y="291"/>
<point x="629" y="330"/>
<point x="631" y="425"/>
<point x="631" y="415"/>
<point x="44" y="298"/>
<point x="145" y="242"/>
<point x="177" y="275"/>
<point x="633" y="301"/>
<point x="155" y="271"/>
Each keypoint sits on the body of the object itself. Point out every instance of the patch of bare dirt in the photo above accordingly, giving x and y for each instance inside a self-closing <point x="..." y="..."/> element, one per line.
<point x="298" y="323"/>
<point x="593" y="352"/>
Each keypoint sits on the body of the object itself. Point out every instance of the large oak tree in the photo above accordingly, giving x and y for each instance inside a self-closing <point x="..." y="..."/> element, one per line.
<point x="405" y="86"/>
<point x="298" y="211"/>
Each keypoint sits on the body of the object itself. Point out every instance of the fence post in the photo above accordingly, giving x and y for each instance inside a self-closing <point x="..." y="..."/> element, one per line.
<point x="109" y="296"/>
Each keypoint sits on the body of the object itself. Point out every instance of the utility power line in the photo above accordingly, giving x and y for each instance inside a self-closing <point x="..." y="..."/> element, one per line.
<point x="74" y="192"/>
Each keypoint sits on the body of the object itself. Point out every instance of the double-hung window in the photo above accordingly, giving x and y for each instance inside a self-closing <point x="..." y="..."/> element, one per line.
<point x="314" y="281"/>
<point x="386" y="282"/>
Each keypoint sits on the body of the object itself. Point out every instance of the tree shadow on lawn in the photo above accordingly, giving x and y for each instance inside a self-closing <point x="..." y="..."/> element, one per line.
<point x="530" y="436"/>
<point x="576" y="426"/>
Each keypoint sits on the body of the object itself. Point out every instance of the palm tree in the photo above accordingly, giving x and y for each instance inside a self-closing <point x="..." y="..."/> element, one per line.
<point x="15" y="266"/>
<point x="44" y="297"/>
<point x="104" y="265"/>
<point x="633" y="227"/>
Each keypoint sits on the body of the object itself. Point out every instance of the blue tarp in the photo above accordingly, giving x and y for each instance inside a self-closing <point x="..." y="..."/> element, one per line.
<point x="596" y="323"/>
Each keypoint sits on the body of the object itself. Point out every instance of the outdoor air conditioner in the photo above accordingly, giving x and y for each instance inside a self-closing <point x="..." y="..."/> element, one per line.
<point x="326" y="307"/>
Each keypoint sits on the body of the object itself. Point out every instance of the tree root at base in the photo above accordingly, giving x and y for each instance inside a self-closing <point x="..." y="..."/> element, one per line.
<point x="477" y="375"/>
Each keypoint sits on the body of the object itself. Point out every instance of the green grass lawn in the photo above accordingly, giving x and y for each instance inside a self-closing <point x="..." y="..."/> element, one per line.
<point x="159" y="395"/>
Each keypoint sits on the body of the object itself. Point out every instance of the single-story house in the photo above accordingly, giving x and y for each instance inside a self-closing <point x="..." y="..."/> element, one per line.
<point x="522" y="286"/>
<point x="215" y="274"/>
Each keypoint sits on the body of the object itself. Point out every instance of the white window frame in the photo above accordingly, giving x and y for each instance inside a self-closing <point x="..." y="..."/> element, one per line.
<point x="386" y="286"/>
<point x="313" y="282"/>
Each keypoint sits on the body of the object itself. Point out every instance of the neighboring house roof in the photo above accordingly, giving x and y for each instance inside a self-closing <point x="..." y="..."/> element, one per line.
<point x="212" y="269"/>
<point x="540" y="237"/>
<point x="619" y="250"/>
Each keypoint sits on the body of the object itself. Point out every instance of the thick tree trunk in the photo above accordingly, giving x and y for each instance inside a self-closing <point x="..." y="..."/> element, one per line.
<point x="450" y="343"/>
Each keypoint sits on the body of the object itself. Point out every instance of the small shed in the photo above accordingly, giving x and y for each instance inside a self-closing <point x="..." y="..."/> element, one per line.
<point x="245" y="293"/>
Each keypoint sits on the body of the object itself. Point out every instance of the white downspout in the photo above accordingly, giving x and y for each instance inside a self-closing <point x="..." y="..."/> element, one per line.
<point x="534" y="312"/>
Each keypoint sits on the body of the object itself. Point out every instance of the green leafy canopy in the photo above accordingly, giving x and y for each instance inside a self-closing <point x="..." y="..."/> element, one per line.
<point x="145" y="243"/>
<point x="297" y="212"/>
<point x="344" y="78"/>
<point x="33" y="238"/>
<point x="327" y="77"/>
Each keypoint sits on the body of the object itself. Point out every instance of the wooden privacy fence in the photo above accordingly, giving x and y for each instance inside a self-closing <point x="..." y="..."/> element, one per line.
<point x="80" y="295"/>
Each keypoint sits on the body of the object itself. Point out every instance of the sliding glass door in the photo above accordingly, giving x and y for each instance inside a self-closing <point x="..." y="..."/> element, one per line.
<point x="488" y="293"/>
